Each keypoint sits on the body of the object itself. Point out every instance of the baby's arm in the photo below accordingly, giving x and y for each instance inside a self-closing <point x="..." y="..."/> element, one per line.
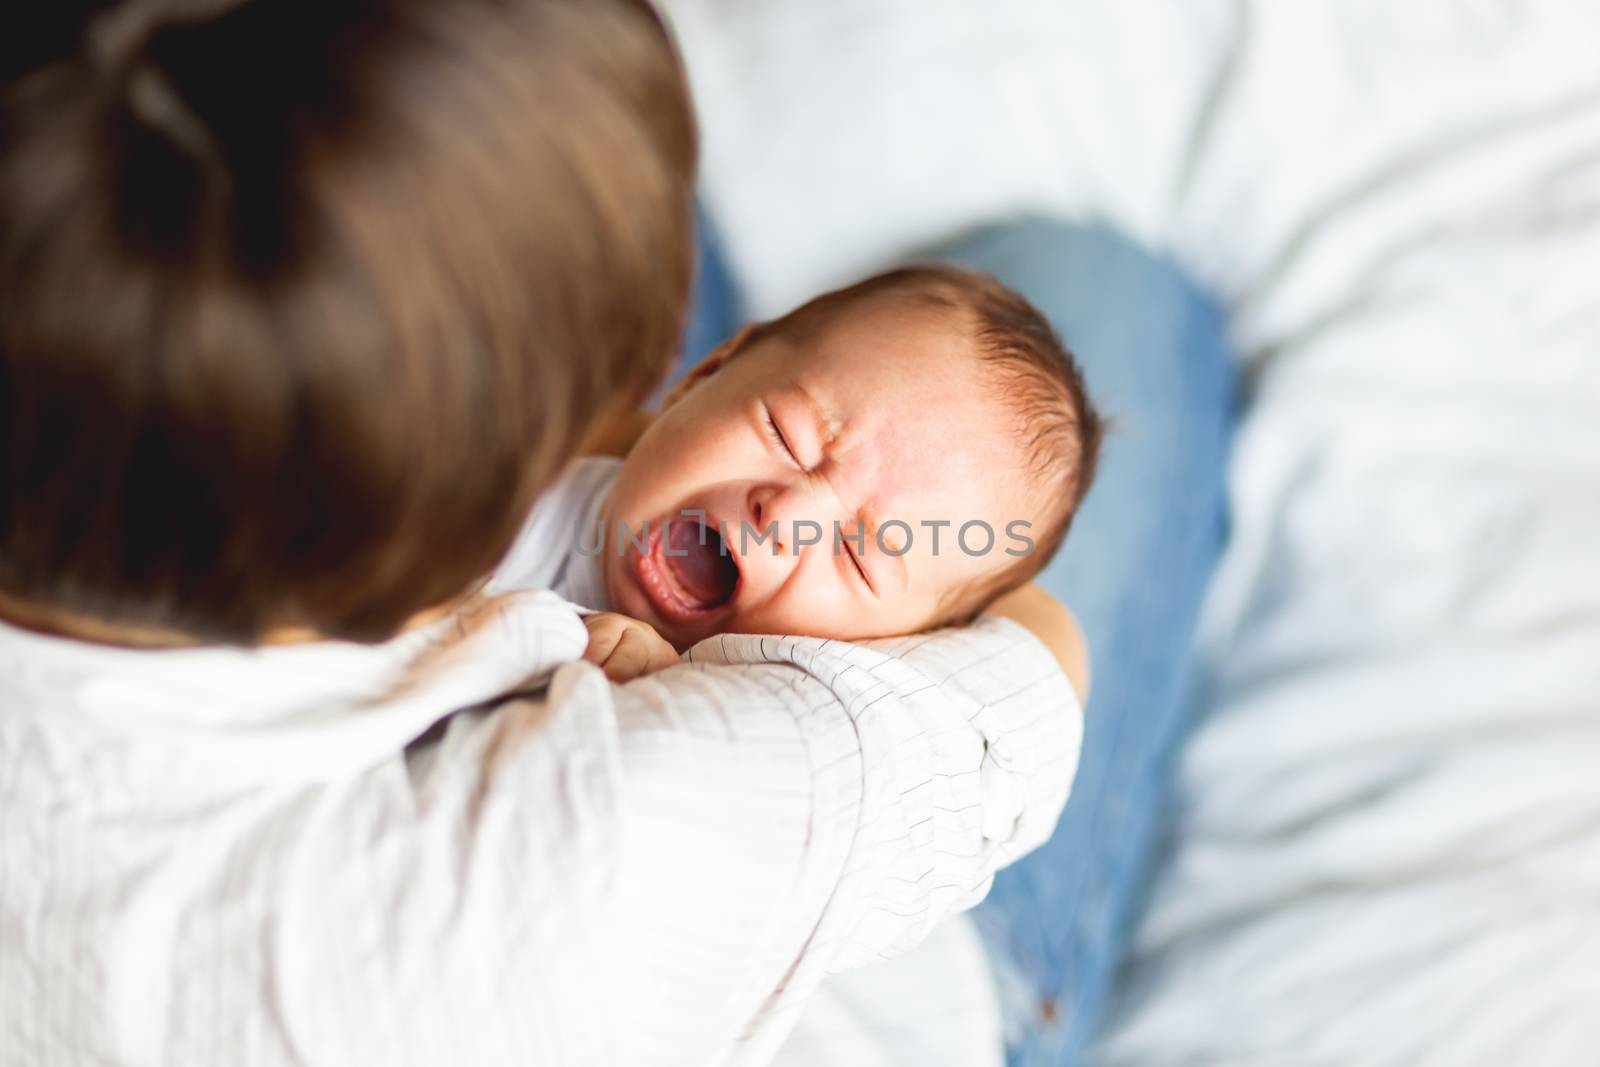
<point x="626" y="648"/>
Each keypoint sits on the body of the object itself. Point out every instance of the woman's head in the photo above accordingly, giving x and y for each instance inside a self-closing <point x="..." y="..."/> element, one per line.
<point x="303" y="302"/>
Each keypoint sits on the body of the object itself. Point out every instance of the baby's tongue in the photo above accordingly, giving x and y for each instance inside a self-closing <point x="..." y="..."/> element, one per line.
<point x="697" y="560"/>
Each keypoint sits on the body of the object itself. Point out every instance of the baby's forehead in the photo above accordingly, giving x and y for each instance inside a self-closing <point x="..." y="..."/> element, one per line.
<point x="935" y="367"/>
<point x="924" y="431"/>
<point x="932" y="359"/>
<point x="895" y="344"/>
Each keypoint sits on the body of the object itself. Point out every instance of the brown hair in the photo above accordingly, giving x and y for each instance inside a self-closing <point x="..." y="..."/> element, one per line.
<point x="303" y="302"/>
<point x="1060" y="431"/>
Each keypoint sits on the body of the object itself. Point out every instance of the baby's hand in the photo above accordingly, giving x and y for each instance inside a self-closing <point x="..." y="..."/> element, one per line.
<point x="626" y="648"/>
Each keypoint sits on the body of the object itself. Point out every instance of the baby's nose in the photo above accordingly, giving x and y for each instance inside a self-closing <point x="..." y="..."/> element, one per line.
<point x="783" y="509"/>
<point x="757" y="504"/>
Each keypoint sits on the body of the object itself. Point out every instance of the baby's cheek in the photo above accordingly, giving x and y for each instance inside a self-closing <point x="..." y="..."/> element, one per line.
<point x="825" y="614"/>
<point x="791" y="612"/>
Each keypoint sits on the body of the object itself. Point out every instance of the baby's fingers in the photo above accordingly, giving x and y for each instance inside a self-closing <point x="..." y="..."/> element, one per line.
<point x="628" y="658"/>
<point x="605" y="630"/>
<point x="603" y="637"/>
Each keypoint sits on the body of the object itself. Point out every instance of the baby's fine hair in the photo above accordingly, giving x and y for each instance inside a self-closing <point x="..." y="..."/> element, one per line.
<point x="1059" y="430"/>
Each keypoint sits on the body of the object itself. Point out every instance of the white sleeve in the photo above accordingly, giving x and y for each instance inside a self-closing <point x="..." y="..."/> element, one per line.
<point x="795" y="807"/>
<point x="662" y="872"/>
<point x="960" y="747"/>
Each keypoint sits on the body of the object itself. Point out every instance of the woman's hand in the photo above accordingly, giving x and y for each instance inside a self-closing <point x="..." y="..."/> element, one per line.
<point x="626" y="648"/>
<point x="1049" y="621"/>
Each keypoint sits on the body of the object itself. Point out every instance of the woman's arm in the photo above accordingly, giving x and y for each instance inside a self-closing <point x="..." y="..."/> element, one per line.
<point x="930" y="762"/>
<point x="658" y="871"/>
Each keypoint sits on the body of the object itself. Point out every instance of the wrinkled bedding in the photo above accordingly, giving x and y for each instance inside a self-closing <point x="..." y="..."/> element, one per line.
<point x="1388" y="846"/>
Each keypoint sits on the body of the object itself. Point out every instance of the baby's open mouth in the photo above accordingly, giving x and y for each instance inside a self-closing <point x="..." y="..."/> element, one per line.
<point x="687" y="571"/>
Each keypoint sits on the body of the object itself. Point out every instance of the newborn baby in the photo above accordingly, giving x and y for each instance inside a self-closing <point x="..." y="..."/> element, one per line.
<point x="885" y="459"/>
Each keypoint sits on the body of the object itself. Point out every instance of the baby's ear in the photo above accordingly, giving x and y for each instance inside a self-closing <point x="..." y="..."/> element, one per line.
<point x="708" y="366"/>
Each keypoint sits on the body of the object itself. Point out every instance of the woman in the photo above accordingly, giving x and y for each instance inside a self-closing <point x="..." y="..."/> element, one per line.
<point x="301" y="307"/>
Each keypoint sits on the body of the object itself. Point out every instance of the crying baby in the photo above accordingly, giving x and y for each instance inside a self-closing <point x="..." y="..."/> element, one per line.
<point x="885" y="459"/>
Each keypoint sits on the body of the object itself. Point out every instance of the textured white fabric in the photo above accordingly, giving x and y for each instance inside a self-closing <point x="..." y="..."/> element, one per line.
<point x="562" y="547"/>
<point x="336" y="855"/>
<point x="1390" y="847"/>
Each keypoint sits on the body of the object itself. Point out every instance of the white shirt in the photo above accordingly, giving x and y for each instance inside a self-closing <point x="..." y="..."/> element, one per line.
<point x="334" y="854"/>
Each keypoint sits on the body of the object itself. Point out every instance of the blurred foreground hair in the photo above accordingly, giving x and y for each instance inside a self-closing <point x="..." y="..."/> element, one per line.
<point x="303" y="302"/>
